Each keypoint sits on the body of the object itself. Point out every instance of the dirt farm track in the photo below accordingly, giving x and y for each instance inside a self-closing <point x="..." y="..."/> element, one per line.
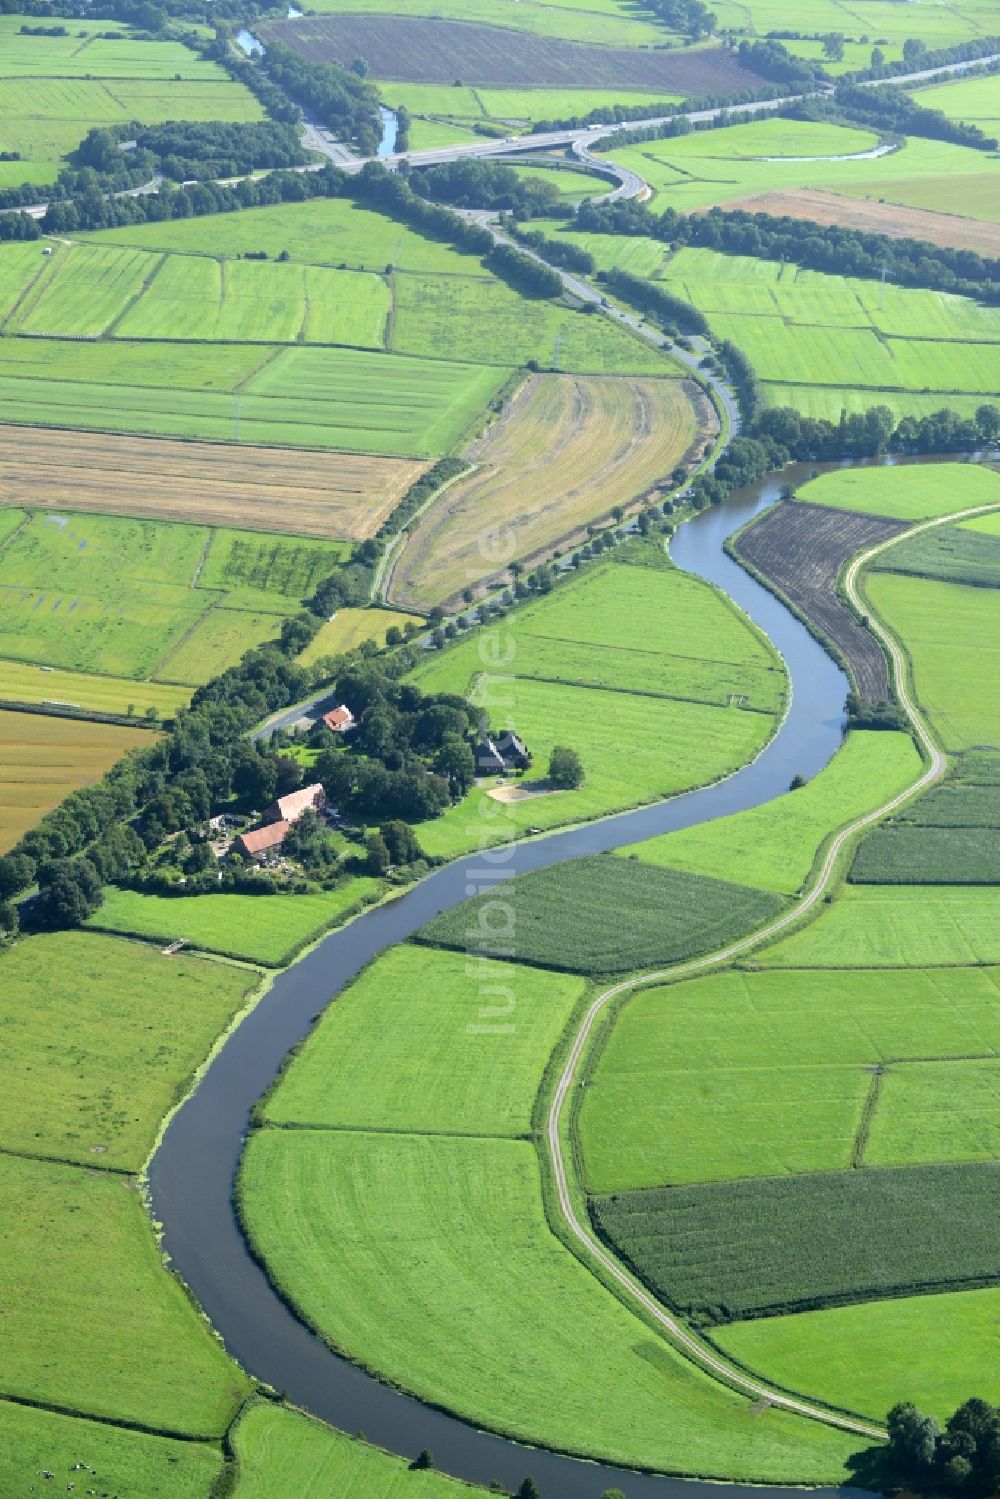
<point x="332" y="495"/>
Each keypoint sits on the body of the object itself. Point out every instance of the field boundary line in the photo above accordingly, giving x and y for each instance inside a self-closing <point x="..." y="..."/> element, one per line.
<point x="110" y="328"/>
<point x="119" y="1422"/>
<point x="649" y="1306"/>
<point x="34" y="292"/>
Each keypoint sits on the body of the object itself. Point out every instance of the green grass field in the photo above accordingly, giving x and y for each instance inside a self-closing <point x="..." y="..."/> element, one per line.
<point x="280" y="1451"/>
<point x="24" y="683"/>
<point x="91" y="1321"/>
<point x="83" y="290"/>
<point x="937" y="1111"/>
<point x="765" y="1074"/>
<point x="266" y="929"/>
<point x="267" y="572"/>
<point x="648" y="630"/>
<point x="897" y="927"/>
<point x="435" y="1043"/>
<point x="215" y="641"/>
<point x="827" y="402"/>
<point x="952" y="636"/>
<point x="327" y="231"/>
<point x="609" y="22"/>
<point x="932" y="1350"/>
<point x="773" y="846"/>
<point x="450" y="317"/>
<point x="349" y="628"/>
<point x="953" y="554"/>
<point x="976" y="101"/>
<point x="636" y="253"/>
<point x="600" y="915"/>
<point x="728" y="1251"/>
<point x="101" y="1037"/>
<point x="430" y="1259"/>
<point x="126" y="1462"/>
<point x="914" y="492"/>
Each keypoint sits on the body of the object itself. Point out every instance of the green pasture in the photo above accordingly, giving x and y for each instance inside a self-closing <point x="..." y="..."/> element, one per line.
<point x="314" y="398"/>
<point x="431" y="1260"/>
<point x="20" y="265"/>
<point x="196" y="297"/>
<point x="857" y="55"/>
<point x="83" y="290"/>
<point x="952" y="554"/>
<point x="84" y="52"/>
<point x="712" y="167"/>
<point x="976" y="101"/>
<point x="827" y="402"/>
<point x="427" y="135"/>
<point x="773" y="846"/>
<point x="129" y="1463"/>
<point x="561" y="103"/>
<point x="725" y="1251"/>
<point x="281" y="1451"/>
<point x="610" y="23"/>
<point x="429" y="1041"/>
<point x="988" y="524"/>
<point x="91" y="1321"/>
<point x="214" y="642"/>
<point x="267" y="572"/>
<point x="660" y="651"/>
<point x="573" y="185"/>
<point x="637" y="254"/>
<point x="913" y="492"/>
<point x="601" y="915"/>
<point x="937" y="1111"/>
<point x="929" y="856"/>
<point x="952" y="636"/>
<point x="930" y="1349"/>
<point x="101" y="1037"/>
<point x="326" y="231"/>
<point x="349" y="628"/>
<point x="765" y="1074"/>
<point x="266" y="929"/>
<point x="22" y="682"/>
<point x="897" y="927"/>
<point x="453" y="317"/>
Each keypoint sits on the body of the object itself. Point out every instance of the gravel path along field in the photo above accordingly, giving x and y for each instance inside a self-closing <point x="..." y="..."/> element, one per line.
<point x="591" y="1249"/>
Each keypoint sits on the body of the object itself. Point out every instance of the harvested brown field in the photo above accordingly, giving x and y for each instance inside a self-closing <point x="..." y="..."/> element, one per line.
<point x="411" y="49"/>
<point x="330" y="495"/>
<point x="876" y="218"/>
<point x="564" y="452"/>
<point x="799" y="551"/>
<point x="43" y="759"/>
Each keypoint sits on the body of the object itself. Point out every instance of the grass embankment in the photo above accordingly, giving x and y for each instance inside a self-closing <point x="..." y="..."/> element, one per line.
<point x="581" y="446"/>
<point x="116" y="1461"/>
<point x="601" y="915"/>
<point x="266" y="929"/>
<point x="435" y="1042"/>
<point x="632" y="666"/>
<point x="101" y="1038"/>
<point x="43" y="759"/>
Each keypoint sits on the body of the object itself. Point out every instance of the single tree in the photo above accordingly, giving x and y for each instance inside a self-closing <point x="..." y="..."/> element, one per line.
<point x="376" y="854"/>
<point x="565" y="768"/>
<point x="833" y="46"/>
<point x="878" y="57"/>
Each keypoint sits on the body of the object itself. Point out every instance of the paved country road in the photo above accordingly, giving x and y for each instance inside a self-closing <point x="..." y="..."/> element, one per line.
<point x="936" y="765"/>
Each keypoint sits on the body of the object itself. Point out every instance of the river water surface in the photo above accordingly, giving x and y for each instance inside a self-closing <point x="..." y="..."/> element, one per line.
<point x="192" y="1172"/>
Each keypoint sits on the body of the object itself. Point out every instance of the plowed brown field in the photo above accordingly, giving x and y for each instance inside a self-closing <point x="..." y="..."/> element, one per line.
<point x="330" y="495"/>
<point x="565" y="451"/>
<point x="876" y="218"/>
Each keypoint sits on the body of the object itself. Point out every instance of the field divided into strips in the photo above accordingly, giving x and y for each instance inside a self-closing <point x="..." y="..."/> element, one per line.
<point x="326" y="496"/>
<point x="280" y="1451"/>
<point x="601" y="915"/>
<point x="653" y="656"/>
<point x="428" y="1257"/>
<point x="331" y="399"/>
<point x="774" y="846"/>
<point x="805" y="328"/>
<point x="110" y="594"/>
<point x="451" y="317"/>
<point x="23" y="682"/>
<point x="43" y="759"/>
<point x="350" y="627"/>
<point x="766" y="1074"/>
<point x="266" y="929"/>
<point x="577" y="446"/>
<point x="327" y="231"/>
<point x="127" y="1462"/>
<point x="84" y="291"/>
<point x="131" y="1028"/>
<point x="700" y="170"/>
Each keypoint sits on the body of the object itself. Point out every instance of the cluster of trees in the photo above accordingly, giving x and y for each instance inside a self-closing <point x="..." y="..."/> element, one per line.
<point x="866" y="434"/>
<point x="744" y="461"/>
<point x="187" y="149"/>
<point x="964" y="1458"/>
<point x="771" y="59"/>
<point x="526" y="275"/>
<point x="890" y="109"/>
<point x="471" y="183"/>
<point x="690" y="17"/>
<point x="348" y="586"/>
<point x="341" y="100"/>
<point x="556" y="251"/>
<point x="818" y="247"/>
<point x="391" y="193"/>
<point x="742" y="377"/>
<point x="654" y="299"/>
<point x="916" y="57"/>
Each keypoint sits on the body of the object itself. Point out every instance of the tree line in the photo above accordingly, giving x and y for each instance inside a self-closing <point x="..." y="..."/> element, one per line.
<point x="341" y="100"/>
<point x="917" y="57"/>
<point x="889" y="109"/>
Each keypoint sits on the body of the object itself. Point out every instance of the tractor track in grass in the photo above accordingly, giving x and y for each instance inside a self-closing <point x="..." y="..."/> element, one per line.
<point x="585" y="1241"/>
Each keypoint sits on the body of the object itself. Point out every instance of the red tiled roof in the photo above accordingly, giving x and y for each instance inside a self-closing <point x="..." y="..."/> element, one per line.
<point x="292" y="806"/>
<point x="338" y="718"/>
<point x="261" y="839"/>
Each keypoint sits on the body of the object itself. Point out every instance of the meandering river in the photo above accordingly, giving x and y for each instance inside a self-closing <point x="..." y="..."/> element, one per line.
<point x="191" y="1175"/>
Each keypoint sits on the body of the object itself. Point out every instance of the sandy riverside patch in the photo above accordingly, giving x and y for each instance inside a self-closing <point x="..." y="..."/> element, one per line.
<point x="507" y="793"/>
<point x="328" y="495"/>
<point x="875" y="218"/>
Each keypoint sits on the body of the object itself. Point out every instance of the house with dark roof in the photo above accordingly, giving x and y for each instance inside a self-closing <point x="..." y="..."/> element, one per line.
<point x="506" y="752"/>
